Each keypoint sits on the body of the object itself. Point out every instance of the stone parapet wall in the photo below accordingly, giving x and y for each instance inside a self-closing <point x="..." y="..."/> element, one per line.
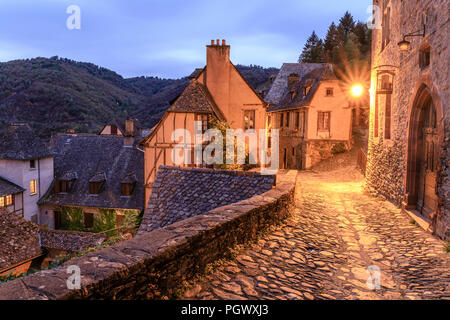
<point x="154" y="265"/>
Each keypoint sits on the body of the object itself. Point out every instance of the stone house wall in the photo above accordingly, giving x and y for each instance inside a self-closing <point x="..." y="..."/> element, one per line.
<point x="104" y="218"/>
<point x="20" y="173"/>
<point x="388" y="157"/>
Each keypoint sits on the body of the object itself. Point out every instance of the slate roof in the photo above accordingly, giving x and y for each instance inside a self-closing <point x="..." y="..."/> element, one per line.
<point x="196" y="73"/>
<point x="179" y="193"/>
<point x="70" y="240"/>
<point x="90" y="158"/>
<point x="19" y="239"/>
<point x="196" y="98"/>
<point x="7" y="188"/>
<point x="19" y="142"/>
<point x="310" y="74"/>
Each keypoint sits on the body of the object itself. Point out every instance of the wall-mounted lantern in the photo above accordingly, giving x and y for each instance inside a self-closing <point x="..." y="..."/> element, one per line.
<point x="405" y="44"/>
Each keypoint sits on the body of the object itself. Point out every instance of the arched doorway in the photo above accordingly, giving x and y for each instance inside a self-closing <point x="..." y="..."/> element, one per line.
<point x="423" y="146"/>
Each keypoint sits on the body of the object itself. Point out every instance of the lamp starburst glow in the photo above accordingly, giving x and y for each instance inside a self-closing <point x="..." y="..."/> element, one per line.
<point x="357" y="90"/>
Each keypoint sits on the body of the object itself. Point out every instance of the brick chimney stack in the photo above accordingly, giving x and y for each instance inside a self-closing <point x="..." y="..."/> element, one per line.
<point x="129" y="127"/>
<point x="218" y="68"/>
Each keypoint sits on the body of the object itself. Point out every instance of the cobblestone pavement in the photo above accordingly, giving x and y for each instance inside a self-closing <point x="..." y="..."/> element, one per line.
<point x="326" y="248"/>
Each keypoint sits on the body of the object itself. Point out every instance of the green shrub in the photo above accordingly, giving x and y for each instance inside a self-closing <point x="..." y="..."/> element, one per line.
<point x="338" y="148"/>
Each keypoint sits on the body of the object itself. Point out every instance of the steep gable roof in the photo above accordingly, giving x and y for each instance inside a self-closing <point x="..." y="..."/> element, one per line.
<point x="19" y="142"/>
<point x="196" y="98"/>
<point x="88" y="158"/>
<point x="310" y="74"/>
<point x="19" y="239"/>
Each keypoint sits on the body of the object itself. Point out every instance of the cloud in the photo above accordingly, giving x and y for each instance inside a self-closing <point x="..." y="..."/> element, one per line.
<point x="166" y="37"/>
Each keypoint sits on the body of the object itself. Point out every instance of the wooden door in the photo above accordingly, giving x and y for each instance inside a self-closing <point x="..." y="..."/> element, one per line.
<point x="427" y="198"/>
<point x="57" y="220"/>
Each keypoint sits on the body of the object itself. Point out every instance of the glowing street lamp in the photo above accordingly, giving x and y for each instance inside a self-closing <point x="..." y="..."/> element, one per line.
<point x="357" y="90"/>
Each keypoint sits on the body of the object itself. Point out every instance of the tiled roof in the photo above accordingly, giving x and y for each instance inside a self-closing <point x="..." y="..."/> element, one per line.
<point x="70" y="240"/>
<point x="94" y="157"/>
<point x="310" y="74"/>
<point x="19" y="142"/>
<point x="7" y="187"/>
<point x="196" y="98"/>
<point x="19" y="239"/>
<point x="180" y="193"/>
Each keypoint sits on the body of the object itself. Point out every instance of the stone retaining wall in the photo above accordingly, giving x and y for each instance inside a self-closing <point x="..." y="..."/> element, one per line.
<point x="154" y="265"/>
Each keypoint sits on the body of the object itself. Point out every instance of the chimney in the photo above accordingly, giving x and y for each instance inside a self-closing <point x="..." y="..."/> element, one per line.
<point x="129" y="127"/>
<point x="218" y="69"/>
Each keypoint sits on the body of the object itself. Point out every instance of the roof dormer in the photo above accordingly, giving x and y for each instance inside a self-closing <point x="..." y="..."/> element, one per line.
<point x="97" y="183"/>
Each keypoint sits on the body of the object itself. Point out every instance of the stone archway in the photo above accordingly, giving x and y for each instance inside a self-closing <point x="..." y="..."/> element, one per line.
<point x="424" y="142"/>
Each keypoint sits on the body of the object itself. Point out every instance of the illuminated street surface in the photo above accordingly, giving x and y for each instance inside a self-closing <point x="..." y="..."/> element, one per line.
<point x="324" y="250"/>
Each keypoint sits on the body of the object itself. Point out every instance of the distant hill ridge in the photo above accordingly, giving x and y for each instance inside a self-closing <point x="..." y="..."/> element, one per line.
<point x="57" y="94"/>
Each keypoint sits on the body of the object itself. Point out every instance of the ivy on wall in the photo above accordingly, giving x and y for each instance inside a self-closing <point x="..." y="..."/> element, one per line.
<point x="72" y="218"/>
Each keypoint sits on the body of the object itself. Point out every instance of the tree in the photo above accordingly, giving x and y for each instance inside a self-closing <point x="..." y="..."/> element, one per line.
<point x="331" y="42"/>
<point x="364" y="38"/>
<point x="313" y="50"/>
<point x="346" y="27"/>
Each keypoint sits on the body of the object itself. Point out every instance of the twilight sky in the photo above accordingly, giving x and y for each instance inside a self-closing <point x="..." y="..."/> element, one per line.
<point x="167" y="38"/>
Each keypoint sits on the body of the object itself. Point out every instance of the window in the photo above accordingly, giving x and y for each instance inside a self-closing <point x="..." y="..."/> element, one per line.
<point x="306" y="90"/>
<point x="33" y="164"/>
<point x="293" y="94"/>
<point x="383" y="101"/>
<point x="33" y="187"/>
<point x="58" y="219"/>
<point x="297" y="119"/>
<point x="387" y="117"/>
<point x="281" y="120"/>
<point x="6" y="201"/>
<point x="293" y="151"/>
<point x="114" y="130"/>
<point x="249" y="119"/>
<point x="301" y="127"/>
<point x="385" y="82"/>
<point x="330" y="92"/>
<point x="61" y="186"/>
<point x="287" y="119"/>
<point x="126" y="189"/>
<point x="424" y="57"/>
<point x="204" y="119"/>
<point x="375" y="123"/>
<point x="88" y="220"/>
<point x="323" y="121"/>
<point x="94" y="187"/>
<point x="269" y="121"/>
<point x="9" y="200"/>
<point x="385" y="38"/>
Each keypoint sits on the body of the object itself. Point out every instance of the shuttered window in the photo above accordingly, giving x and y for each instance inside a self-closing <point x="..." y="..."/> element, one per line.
<point x="323" y="121"/>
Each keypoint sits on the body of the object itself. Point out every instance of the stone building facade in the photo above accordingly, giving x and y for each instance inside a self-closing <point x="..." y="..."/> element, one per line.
<point x="408" y="156"/>
<point x="26" y="171"/>
<point x="309" y="107"/>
